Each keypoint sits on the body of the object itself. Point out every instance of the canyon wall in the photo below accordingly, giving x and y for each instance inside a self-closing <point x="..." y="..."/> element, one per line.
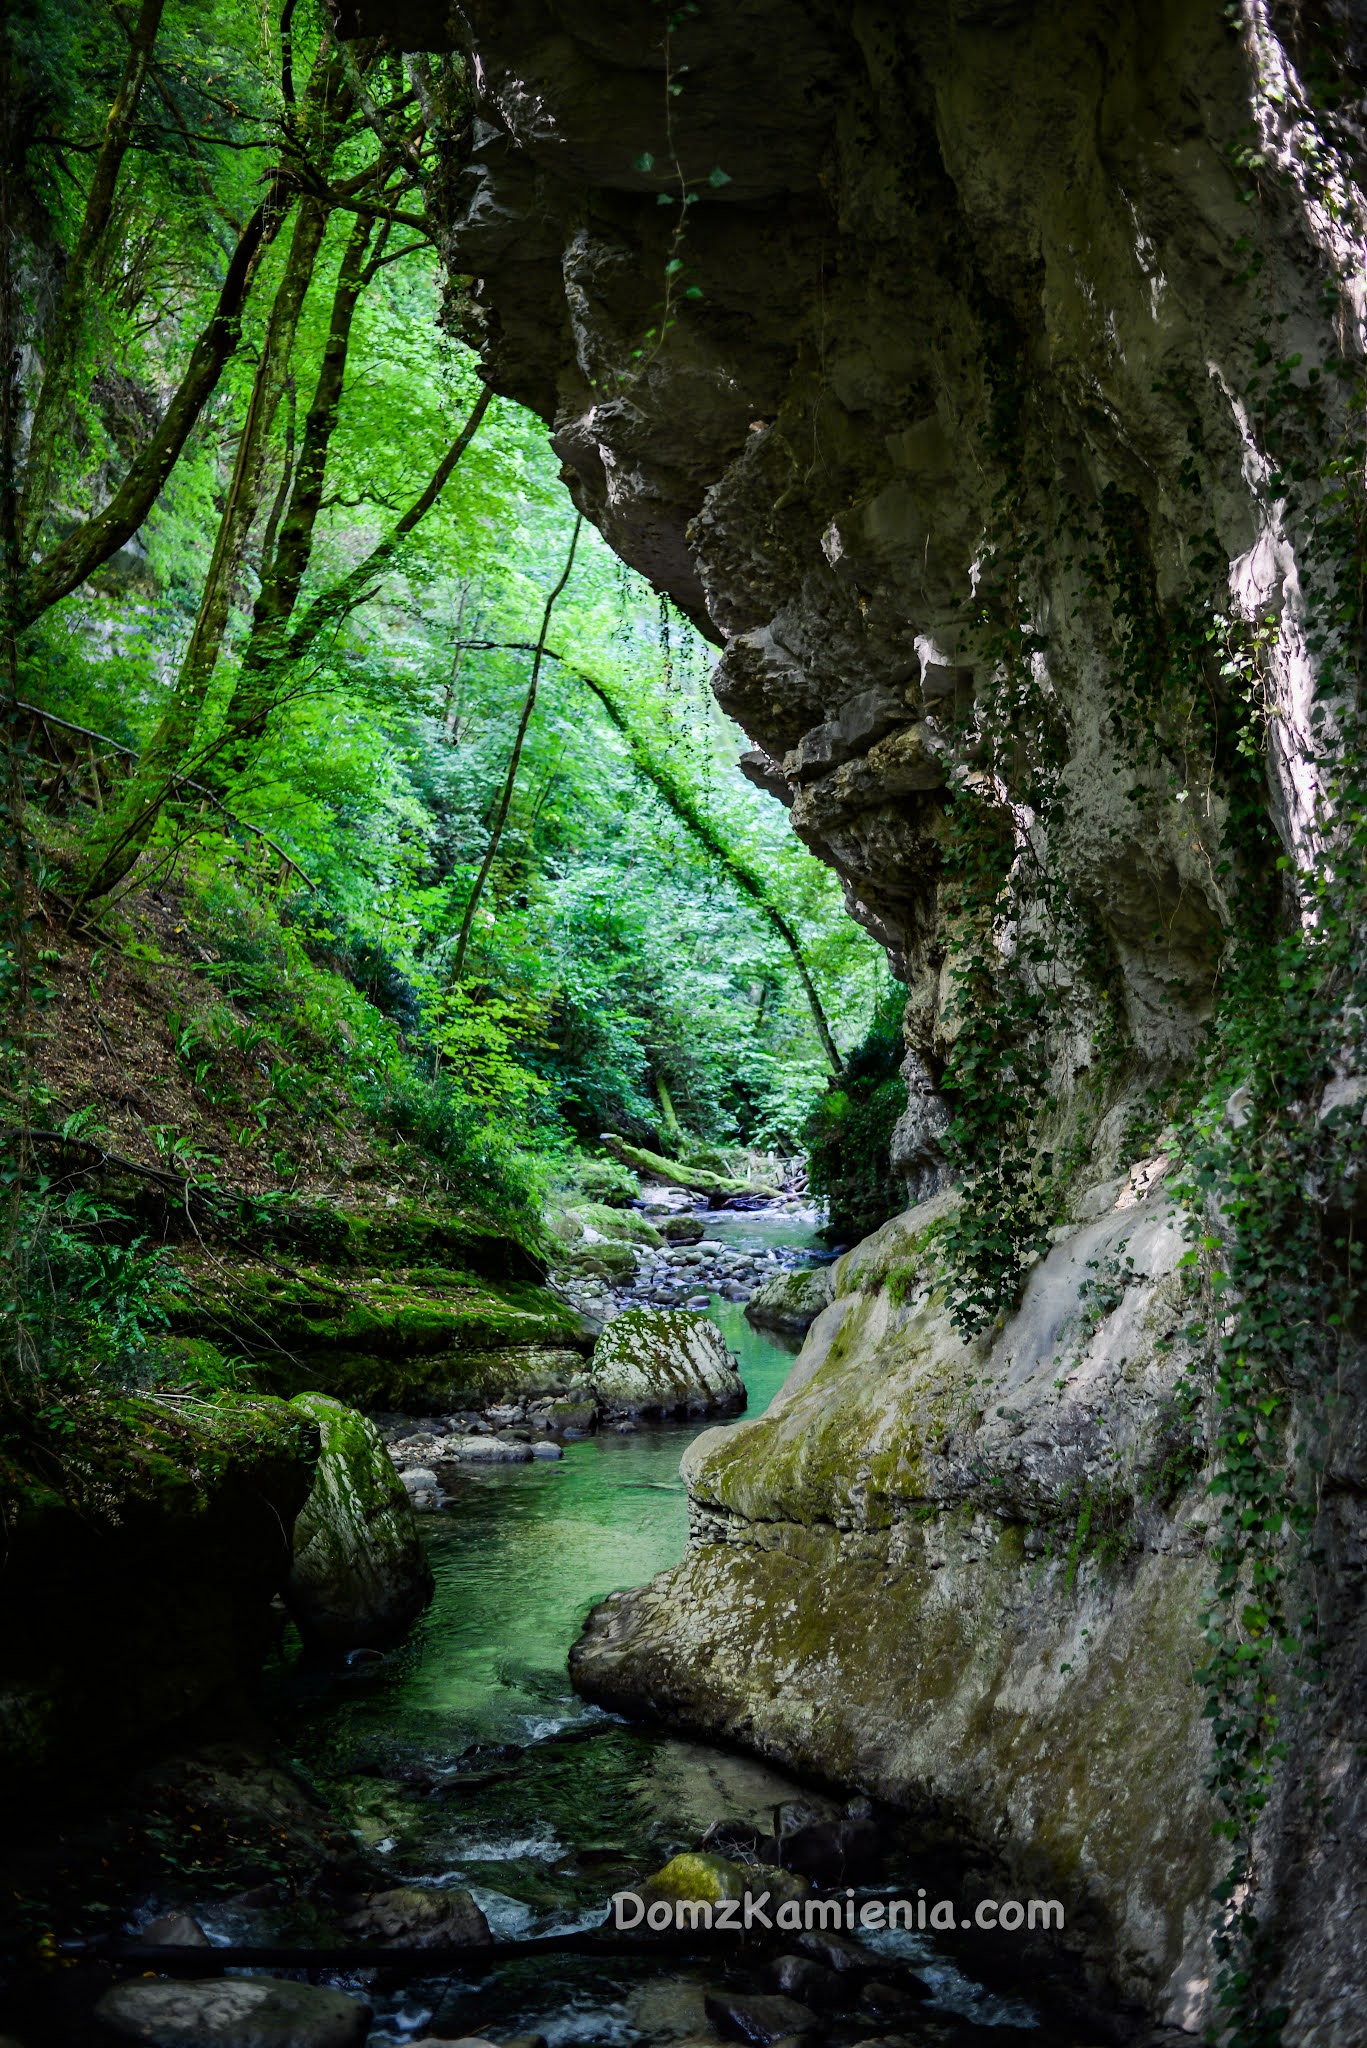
<point x="972" y="374"/>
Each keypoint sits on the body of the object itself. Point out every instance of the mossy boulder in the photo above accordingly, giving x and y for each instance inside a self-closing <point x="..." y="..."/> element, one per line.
<point x="921" y="1570"/>
<point x="608" y="1259"/>
<point x="588" y="1222"/>
<point x="144" y="1541"/>
<point x="698" y="1875"/>
<point x="665" y="1362"/>
<point x="683" y="1229"/>
<point x="396" y="1232"/>
<point x="790" y="1301"/>
<point x="359" y="1575"/>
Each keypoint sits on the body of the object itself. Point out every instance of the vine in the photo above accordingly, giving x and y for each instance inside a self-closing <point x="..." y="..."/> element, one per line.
<point x="1014" y="933"/>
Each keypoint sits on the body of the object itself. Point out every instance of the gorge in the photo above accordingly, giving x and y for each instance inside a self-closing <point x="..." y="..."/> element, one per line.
<point x="981" y="381"/>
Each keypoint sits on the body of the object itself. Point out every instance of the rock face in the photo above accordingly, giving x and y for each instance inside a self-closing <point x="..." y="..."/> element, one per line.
<point x="994" y="426"/>
<point x="359" y="1575"/>
<point x="948" y="1573"/>
<point x="665" y="1362"/>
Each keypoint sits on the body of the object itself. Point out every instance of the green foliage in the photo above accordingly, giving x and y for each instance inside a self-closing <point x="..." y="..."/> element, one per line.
<point x="849" y="1132"/>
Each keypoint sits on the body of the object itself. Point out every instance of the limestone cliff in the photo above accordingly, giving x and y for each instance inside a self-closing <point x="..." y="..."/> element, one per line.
<point x="980" y="376"/>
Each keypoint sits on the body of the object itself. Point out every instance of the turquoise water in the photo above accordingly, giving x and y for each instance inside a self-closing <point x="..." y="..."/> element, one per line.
<point x="465" y="1759"/>
<point x="519" y="1559"/>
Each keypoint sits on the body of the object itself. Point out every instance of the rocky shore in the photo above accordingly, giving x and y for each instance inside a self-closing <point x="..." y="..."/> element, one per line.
<point x="665" y="1256"/>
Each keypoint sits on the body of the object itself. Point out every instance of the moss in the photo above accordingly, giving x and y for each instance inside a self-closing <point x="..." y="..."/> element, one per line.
<point x="398" y="1233"/>
<point x="144" y="1539"/>
<point x="624" y="1225"/>
<point x="359" y="1573"/>
<point x="696" y="1875"/>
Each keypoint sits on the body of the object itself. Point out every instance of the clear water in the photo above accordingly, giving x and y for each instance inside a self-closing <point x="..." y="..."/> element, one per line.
<point x="465" y="1759"/>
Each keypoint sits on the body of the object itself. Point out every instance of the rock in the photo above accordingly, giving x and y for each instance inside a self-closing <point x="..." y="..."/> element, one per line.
<point x="572" y="1418"/>
<point x="359" y="1573"/>
<point x="661" y="1362"/>
<point x="833" y="1853"/>
<point x="418" y="1479"/>
<point x="606" y="1258"/>
<point x="549" y="1451"/>
<point x="835" y="1952"/>
<point x="140" y="1591"/>
<point x="881" y="1411"/>
<point x="594" y="1222"/>
<point x="705" y="1875"/>
<point x="761" y="2020"/>
<point x="890" y="2002"/>
<point x="487" y="1450"/>
<point x="790" y="1301"/>
<point x="234" y="2012"/>
<point x="811" y="1983"/>
<point x="681" y="1229"/>
<point x="174" y="1930"/>
<point x="409" y="1917"/>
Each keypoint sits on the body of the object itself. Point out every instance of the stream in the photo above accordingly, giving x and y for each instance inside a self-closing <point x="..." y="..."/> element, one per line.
<point x="464" y="1758"/>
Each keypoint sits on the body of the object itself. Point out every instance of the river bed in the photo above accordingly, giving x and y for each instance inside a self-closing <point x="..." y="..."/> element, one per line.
<point x="464" y="1759"/>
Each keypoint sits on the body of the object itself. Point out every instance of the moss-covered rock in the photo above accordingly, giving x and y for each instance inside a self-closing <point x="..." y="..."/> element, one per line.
<point x="683" y="1229"/>
<point x="665" y="1362"/>
<point x="359" y="1574"/>
<point x="421" y="1338"/>
<point x="144" y="1540"/>
<point x="588" y="1222"/>
<point x="698" y="1875"/>
<point x="790" y="1301"/>
<point x="607" y="1259"/>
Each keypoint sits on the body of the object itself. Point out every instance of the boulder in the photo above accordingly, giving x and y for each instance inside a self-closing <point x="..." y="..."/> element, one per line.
<point x="408" y="1917"/>
<point x="592" y="1222"/>
<point x="233" y="2012"/>
<point x="790" y="1301"/>
<point x="699" y="1874"/>
<point x="682" y="1229"/>
<point x="604" y="1257"/>
<point x="653" y="1361"/>
<point x="484" y="1450"/>
<point x="759" y="2020"/>
<point x="359" y="1574"/>
<point x="173" y="1930"/>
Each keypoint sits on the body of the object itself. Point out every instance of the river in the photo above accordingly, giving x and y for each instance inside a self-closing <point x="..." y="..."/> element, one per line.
<point x="465" y="1759"/>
